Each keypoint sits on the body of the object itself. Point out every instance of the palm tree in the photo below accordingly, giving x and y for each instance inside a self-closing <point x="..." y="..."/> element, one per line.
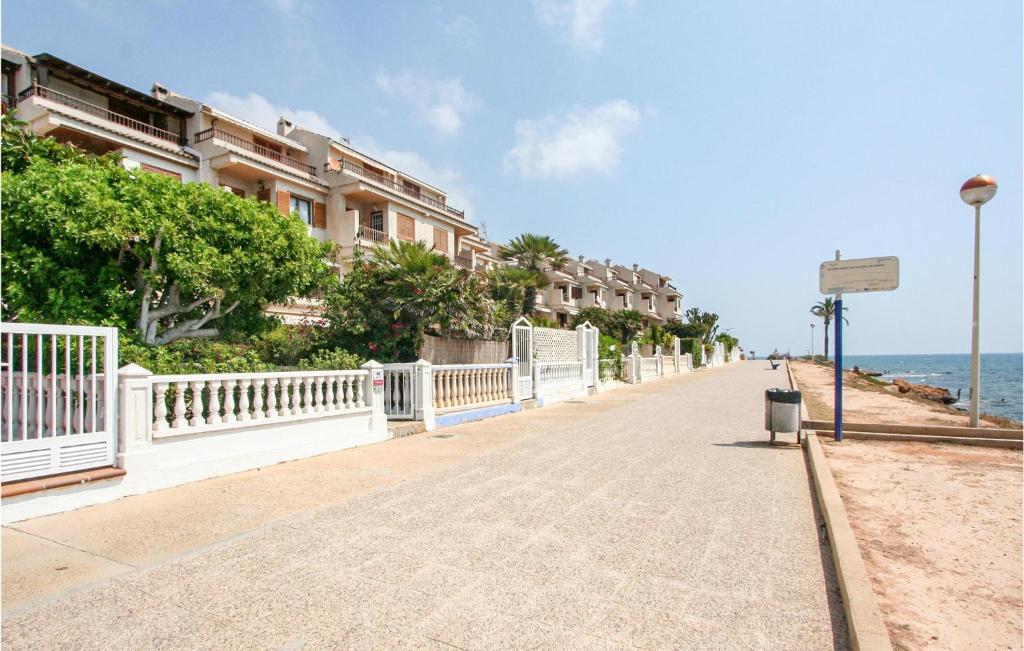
<point x="826" y="311"/>
<point x="534" y="253"/>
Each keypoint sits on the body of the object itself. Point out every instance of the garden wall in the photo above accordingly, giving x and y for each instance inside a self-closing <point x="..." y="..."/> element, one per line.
<point x="439" y="350"/>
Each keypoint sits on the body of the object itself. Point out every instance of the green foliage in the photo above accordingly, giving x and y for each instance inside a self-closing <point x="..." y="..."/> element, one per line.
<point x="331" y="360"/>
<point x="192" y="356"/>
<point x="285" y="345"/>
<point x="694" y="347"/>
<point x="541" y="322"/>
<point x="706" y="323"/>
<point x="729" y="341"/>
<point x="685" y="330"/>
<point x="86" y="240"/>
<point x="627" y="325"/>
<point x="385" y="304"/>
<point x="826" y="311"/>
<point x="598" y="317"/>
<point x="533" y="254"/>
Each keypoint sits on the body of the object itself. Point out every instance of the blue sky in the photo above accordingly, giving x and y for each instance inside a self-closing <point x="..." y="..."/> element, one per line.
<point x="732" y="145"/>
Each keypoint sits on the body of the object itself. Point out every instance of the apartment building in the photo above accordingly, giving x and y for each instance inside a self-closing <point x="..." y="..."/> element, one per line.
<point x="71" y="104"/>
<point x="343" y="195"/>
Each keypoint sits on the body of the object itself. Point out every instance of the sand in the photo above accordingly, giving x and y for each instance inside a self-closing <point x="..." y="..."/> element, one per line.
<point x="939" y="525"/>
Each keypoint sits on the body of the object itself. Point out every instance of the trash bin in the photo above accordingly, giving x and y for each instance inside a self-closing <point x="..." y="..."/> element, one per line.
<point x="782" y="411"/>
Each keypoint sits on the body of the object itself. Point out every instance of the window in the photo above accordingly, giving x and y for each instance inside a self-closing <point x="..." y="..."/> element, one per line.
<point x="302" y="206"/>
<point x="441" y="239"/>
<point x="406" y="228"/>
<point x="577" y="292"/>
<point x="377" y="220"/>
<point x="159" y="170"/>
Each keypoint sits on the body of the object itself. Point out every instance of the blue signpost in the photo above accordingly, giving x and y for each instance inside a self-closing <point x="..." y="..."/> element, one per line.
<point x="866" y="275"/>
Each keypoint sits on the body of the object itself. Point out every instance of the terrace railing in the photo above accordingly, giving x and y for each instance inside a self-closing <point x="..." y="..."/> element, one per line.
<point x="467" y="385"/>
<point x="393" y="186"/>
<point x="100" y="112"/>
<point x="251" y="147"/>
<point x="186" y="404"/>
<point x="372" y="235"/>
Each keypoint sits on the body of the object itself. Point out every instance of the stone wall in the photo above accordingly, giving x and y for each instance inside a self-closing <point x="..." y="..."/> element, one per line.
<point x="439" y="350"/>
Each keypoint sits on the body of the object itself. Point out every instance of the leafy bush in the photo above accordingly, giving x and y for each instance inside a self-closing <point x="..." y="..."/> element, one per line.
<point x="192" y="356"/>
<point x="285" y="345"/>
<point x="331" y="360"/>
<point x="694" y="347"/>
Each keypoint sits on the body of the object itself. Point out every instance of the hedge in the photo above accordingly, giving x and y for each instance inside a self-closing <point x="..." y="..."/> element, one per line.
<point x="694" y="347"/>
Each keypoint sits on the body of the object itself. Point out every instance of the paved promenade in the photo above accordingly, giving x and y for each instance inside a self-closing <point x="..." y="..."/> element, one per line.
<point x="652" y="516"/>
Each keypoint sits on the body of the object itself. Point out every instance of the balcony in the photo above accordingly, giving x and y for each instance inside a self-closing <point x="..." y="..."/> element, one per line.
<point x="267" y="153"/>
<point x="464" y="261"/>
<point x="390" y="185"/>
<point x="103" y="114"/>
<point x="367" y="234"/>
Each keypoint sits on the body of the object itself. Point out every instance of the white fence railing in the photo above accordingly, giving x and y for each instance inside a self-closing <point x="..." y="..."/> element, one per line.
<point x="610" y="370"/>
<point x="649" y="367"/>
<point x="467" y="385"/>
<point x="186" y="404"/>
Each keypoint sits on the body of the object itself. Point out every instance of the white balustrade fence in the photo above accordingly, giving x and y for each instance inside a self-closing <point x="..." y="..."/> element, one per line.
<point x="185" y="404"/>
<point x="57" y="385"/>
<point x="610" y="369"/>
<point x="649" y="368"/>
<point x="556" y="375"/>
<point x="466" y="385"/>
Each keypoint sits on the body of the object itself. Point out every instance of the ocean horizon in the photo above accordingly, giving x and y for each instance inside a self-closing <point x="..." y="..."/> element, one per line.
<point x="1002" y="387"/>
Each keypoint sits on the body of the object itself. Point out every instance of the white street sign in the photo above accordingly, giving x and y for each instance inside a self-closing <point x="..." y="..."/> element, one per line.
<point x="863" y="275"/>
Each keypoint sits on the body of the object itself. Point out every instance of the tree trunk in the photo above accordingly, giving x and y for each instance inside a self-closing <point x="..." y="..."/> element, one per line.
<point x="529" y="300"/>
<point x="826" y="339"/>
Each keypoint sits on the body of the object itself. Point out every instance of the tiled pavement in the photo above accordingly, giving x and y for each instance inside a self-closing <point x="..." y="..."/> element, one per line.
<point x="658" y="521"/>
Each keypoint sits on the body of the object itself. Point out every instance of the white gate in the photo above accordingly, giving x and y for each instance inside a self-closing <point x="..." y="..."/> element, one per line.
<point x="400" y="391"/>
<point x="586" y="338"/>
<point x="522" y="350"/>
<point x="58" y="387"/>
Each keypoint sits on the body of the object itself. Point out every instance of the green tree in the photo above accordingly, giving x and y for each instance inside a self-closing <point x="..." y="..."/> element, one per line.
<point x="86" y="240"/>
<point x="705" y="322"/>
<point x="534" y="253"/>
<point x="597" y="316"/>
<point x="627" y="325"/>
<point x="826" y="311"/>
<point x="386" y="303"/>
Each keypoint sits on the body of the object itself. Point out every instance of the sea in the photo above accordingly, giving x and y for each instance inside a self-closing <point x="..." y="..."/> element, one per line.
<point x="1002" y="388"/>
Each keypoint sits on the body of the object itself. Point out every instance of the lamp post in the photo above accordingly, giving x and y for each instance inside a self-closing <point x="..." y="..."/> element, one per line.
<point x="977" y="191"/>
<point x="812" y="342"/>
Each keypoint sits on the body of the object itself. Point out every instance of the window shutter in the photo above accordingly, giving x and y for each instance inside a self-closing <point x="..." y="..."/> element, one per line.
<point x="441" y="239"/>
<point x="577" y="292"/>
<point x="284" y="200"/>
<point x="263" y="195"/>
<point x="406" y="228"/>
<point x="319" y="215"/>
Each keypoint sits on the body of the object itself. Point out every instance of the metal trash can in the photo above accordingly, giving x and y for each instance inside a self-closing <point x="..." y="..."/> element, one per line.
<point x="782" y="411"/>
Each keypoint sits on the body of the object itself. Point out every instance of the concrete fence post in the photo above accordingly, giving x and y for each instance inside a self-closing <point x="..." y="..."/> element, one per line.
<point x="661" y="361"/>
<point x="135" y="410"/>
<point x="375" y="396"/>
<point x="538" y="390"/>
<point x="423" y="396"/>
<point x="513" y="379"/>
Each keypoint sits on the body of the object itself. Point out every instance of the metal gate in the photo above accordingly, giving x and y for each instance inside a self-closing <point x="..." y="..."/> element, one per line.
<point x="522" y="350"/>
<point x="400" y="391"/>
<point x="58" y="388"/>
<point x="586" y="337"/>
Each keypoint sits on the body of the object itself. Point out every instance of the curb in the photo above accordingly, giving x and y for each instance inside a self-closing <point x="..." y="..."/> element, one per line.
<point x="863" y="616"/>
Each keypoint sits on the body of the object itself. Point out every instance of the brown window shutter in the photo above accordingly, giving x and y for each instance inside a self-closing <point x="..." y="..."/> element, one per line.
<point x="263" y="195"/>
<point x="319" y="215"/>
<point x="577" y="292"/>
<point x="406" y="228"/>
<point x="441" y="239"/>
<point x="284" y="200"/>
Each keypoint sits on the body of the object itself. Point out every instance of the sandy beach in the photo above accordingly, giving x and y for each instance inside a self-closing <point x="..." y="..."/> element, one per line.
<point x="939" y="525"/>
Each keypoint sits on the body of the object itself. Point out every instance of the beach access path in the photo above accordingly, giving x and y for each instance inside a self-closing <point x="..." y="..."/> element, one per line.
<point x="655" y="515"/>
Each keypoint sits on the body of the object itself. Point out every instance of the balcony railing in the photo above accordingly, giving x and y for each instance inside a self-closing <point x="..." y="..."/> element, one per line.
<point x="358" y="170"/>
<point x="464" y="261"/>
<point x="259" y="150"/>
<point x="372" y="235"/>
<point x="100" y="112"/>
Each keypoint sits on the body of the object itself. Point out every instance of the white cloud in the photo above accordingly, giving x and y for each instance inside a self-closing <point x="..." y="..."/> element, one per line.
<point x="261" y="112"/>
<point x="581" y="22"/>
<point x="410" y="162"/>
<point x="461" y="30"/>
<point x="577" y="143"/>
<point x="442" y="103"/>
<point x="580" y="142"/>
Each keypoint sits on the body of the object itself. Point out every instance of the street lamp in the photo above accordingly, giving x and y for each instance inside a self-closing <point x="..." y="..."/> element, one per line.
<point x="976" y="191"/>
<point x="812" y="342"/>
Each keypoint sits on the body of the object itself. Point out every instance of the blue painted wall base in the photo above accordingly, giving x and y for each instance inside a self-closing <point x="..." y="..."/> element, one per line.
<point x="468" y="416"/>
